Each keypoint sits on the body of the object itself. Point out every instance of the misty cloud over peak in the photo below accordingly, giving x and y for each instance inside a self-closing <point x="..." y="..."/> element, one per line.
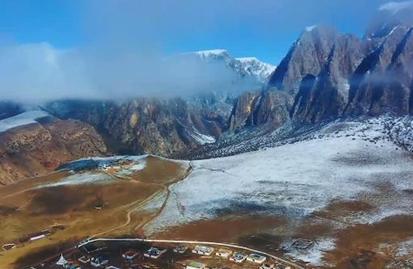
<point x="33" y="73"/>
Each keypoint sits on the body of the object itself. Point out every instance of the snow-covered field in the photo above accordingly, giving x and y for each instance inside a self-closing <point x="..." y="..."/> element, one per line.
<point x="22" y="119"/>
<point x="347" y="161"/>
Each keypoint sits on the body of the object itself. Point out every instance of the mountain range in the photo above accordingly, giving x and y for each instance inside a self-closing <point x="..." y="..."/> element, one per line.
<point x="325" y="76"/>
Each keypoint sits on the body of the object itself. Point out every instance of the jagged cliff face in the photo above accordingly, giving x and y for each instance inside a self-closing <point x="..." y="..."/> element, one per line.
<point x="307" y="56"/>
<point x="324" y="96"/>
<point x="331" y="75"/>
<point x="152" y="125"/>
<point x="40" y="147"/>
<point x="383" y="81"/>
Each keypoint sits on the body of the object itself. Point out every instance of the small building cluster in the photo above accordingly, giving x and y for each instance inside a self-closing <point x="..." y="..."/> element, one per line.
<point x="154" y="253"/>
<point x="134" y="258"/>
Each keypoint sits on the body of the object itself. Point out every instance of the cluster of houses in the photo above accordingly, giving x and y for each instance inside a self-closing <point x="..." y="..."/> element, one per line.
<point x="114" y="166"/>
<point x="236" y="257"/>
<point x="102" y="261"/>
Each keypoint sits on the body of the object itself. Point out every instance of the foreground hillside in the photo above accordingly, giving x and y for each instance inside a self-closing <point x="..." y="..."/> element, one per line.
<point x="35" y="143"/>
<point x="346" y="187"/>
<point x="85" y="198"/>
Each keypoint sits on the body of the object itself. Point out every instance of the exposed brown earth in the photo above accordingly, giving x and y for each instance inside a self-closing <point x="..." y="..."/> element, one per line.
<point x="359" y="246"/>
<point x="83" y="210"/>
<point x="37" y="149"/>
<point x="225" y="229"/>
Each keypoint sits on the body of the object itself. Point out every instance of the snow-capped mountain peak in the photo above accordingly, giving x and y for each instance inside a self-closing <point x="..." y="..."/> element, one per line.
<point x="212" y="53"/>
<point x="256" y="68"/>
<point x="244" y="66"/>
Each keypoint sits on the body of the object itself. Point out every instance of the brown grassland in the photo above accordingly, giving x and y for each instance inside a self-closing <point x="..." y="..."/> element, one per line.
<point x="80" y="211"/>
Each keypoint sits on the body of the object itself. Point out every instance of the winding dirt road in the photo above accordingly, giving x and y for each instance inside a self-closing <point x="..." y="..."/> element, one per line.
<point x="137" y="205"/>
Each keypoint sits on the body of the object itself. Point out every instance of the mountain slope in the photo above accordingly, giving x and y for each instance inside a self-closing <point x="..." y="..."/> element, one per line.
<point x="35" y="143"/>
<point x="340" y="176"/>
<point x="151" y="125"/>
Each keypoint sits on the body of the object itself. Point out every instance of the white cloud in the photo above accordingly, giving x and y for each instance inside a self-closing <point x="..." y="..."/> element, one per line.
<point x="34" y="73"/>
<point x="395" y="7"/>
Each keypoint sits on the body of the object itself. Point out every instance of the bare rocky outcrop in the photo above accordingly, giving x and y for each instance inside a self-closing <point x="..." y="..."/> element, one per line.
<point x="307" y="56"/>
<point x="330" y="76"/>
<point x="151" y="125"/>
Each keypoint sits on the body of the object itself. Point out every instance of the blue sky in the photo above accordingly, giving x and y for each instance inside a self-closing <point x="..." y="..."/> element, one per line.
<point x="261" y="28"/>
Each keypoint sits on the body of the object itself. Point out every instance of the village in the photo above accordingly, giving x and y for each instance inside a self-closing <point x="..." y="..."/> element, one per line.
<point x="141" y="254"/>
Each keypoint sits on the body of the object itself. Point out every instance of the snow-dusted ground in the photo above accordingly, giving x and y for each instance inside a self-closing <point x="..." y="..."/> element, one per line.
<point x="313" y="255"/>
<point x="22" y="119"/>
<point x="81" y="179"/>
<point x="345" y="161"/>
<point x="93" y="170"/>
<point x="405" y="248"/>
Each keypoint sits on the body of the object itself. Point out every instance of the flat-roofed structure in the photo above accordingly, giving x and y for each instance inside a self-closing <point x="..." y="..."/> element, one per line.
<point x="203" y="250"/>
<point x="238" y="257"/>
<point x="256" y="258"/>
<point x="223" y="253"/>
<point x="154" y="253"/>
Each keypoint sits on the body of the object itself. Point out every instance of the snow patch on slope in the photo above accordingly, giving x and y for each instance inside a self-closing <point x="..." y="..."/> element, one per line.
<point x="314" y="255"/>
<point x="22" y="119"/>
<point x="202" y="139"/>
<point x="81" y="179"/>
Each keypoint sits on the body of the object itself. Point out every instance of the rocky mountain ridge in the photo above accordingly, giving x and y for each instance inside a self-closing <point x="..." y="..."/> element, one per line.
<point x="329" y="75"/>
